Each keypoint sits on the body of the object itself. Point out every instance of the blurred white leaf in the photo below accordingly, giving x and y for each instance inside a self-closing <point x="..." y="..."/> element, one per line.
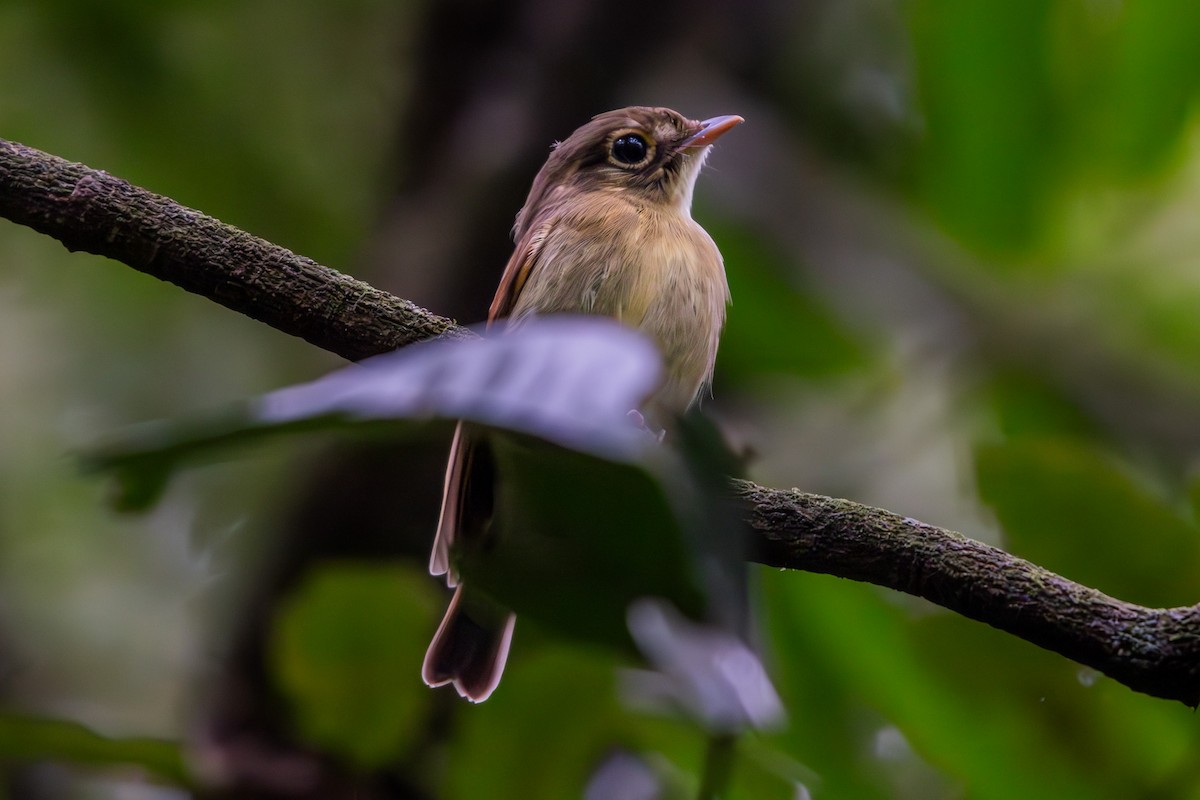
<point x="705" y="672"/>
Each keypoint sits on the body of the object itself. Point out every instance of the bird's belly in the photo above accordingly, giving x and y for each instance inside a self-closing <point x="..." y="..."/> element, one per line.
<point x="661" y="274"/>
<point x="678" y="298"/>
<point x="685" y="321"/>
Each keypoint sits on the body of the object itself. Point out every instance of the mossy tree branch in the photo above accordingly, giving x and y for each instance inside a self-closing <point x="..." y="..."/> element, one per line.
<point x="1155" y="651"/>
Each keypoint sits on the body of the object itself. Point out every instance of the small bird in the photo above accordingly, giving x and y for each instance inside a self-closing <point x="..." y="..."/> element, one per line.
<point x="606" y="229"/>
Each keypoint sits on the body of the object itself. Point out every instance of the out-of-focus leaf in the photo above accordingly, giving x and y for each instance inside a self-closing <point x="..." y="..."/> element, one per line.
<point x="624" y="775"/>
<point x="989" y="118"/>
<point x="711" y="675"/>
<point x="1158" y="320"/>
<point x="578" y="539"/>
<point x="1193" y="495"/>
<point x="854" y="635"/>
<point x="568" y="380"/>
<point x="591" y="514"/>
<point x="1068" y="507"/>
<point x="555" y="720"/>
<point x="571" y="381"/>
<point x="1027" y="406"/>
<point x="345" y="656"/>
<point x="144" y="458"/>
<point x="764" y="765"/>
<point x="1152" y="85"/>
<point x="829" y="727"/>
<point x="775" y="325"/>
<point x="764" y="772"/>
<point x="26" y="738"/>
<point x="552" y="722"/>
<point x="1082" y="721"/>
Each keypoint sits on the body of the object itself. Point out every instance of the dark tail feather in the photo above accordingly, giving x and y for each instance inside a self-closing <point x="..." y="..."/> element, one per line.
<point x="470" y="647"/>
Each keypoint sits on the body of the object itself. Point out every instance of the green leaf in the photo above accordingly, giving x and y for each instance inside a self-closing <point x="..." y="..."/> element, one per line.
<point x="776" y="324"/>
<point x="1123" y="741"/>
<point x="591" y="513"/>
<point x="143" y="459"/>
<point x="347" y="654"/>
<point x="26" y="739"/>
<point x="558" y="706"/>
<point x="990" y="121"/>
<point x="863" y="642"/>
<point x="577" y="541"/>
<point x="1151" y="86"/>
<point x="1025" y="405"/>
<point x="543" y="732"/>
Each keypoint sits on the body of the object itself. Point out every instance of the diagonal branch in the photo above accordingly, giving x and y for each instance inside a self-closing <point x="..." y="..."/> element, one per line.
<point x="92" y="211"/>
<point x="1151" y="650"/>
<point x="1155" y="651"/>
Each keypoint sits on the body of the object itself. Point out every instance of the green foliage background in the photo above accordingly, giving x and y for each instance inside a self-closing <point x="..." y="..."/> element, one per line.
<point x="962" y="243"/>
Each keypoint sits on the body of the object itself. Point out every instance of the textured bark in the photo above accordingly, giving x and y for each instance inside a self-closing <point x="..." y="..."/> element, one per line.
<point x="1151" y="650"/>
<point x="1155" y="651"/>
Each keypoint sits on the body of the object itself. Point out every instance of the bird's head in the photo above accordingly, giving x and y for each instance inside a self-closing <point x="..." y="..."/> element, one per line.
<point x="655" y="153"/>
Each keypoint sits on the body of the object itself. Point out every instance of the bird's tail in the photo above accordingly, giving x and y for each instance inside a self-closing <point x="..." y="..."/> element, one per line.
<point x="470" y="646"/>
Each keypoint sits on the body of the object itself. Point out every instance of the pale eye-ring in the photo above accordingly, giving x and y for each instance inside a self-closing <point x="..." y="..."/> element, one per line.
<point x="630" y="149"/>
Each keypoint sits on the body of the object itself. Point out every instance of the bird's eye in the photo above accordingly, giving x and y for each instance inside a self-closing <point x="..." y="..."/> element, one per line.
<point x="630" y="148"/>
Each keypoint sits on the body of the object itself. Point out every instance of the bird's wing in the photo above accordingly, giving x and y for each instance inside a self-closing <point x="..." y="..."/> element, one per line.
<point x="520" y="265"/>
